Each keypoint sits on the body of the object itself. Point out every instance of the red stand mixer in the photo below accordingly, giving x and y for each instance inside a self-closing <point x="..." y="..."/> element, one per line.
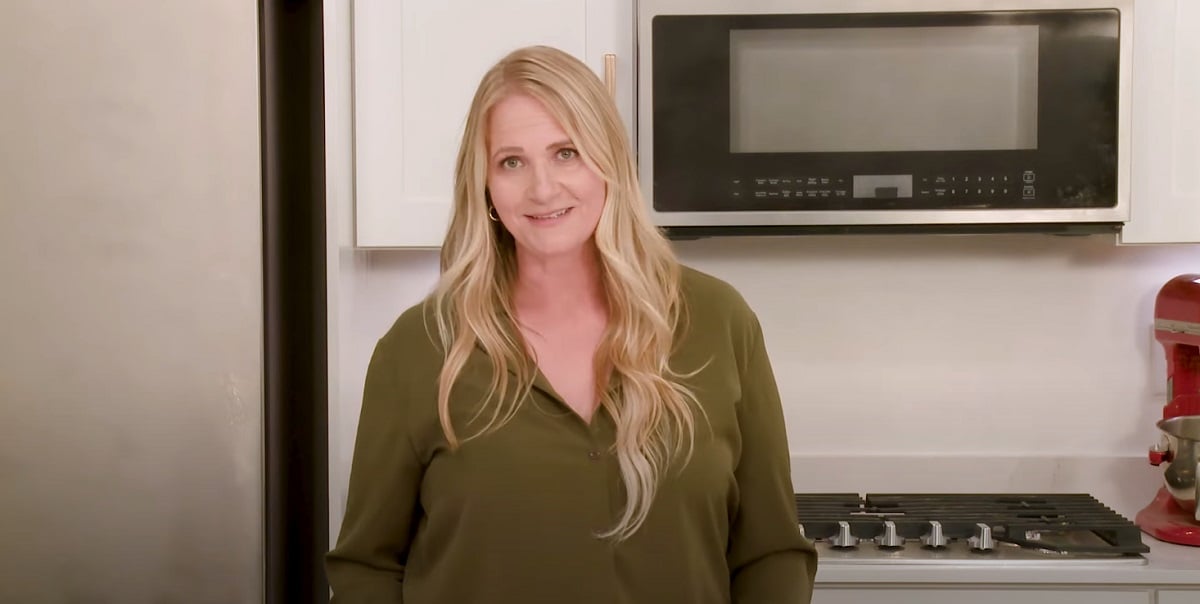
<point x="1173" y="514"/>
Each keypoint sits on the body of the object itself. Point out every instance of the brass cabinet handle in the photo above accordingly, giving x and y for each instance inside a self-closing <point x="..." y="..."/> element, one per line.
<point x="610" y="74"/>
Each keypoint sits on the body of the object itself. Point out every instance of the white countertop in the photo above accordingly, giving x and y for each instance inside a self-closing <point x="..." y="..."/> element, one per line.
<point x="1168" y="565"/>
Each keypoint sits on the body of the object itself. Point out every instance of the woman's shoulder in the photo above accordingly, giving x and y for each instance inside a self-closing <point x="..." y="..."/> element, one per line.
<point x="413" y="336"/>
<point x="709" y="295"/>
<point x="717" y="324"/>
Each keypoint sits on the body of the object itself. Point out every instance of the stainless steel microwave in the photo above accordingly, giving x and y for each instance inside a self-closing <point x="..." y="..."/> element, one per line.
<point x="780" y="116"/>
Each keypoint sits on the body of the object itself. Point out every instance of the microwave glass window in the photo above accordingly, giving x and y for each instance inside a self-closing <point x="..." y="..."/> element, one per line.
<point x="954" y="88"/>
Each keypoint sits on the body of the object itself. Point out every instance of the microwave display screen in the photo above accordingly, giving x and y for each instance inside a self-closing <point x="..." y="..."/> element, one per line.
<point x="951" y="88"/>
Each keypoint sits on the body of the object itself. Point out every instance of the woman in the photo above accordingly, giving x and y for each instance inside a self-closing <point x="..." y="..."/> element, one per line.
<point x="572" y="417"/>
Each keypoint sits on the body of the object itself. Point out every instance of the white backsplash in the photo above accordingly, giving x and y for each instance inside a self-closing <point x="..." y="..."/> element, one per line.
<point x="935" y="361"/>
<point x="989" y="345"/>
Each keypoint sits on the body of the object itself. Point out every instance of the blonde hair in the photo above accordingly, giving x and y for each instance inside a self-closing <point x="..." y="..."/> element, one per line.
<point x="652" y="409"/>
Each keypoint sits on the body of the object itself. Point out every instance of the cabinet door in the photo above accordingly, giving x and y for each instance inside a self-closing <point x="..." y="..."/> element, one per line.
<point x="1164" y="202"/>
<point x="1178" y="596"/>
<point x="899" y="594"/>
<point x="416" y="66"/>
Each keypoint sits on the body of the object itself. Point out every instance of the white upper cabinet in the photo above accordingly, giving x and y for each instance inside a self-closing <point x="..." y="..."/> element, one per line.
<point x="1164" y="201"/>
<point x="416" y="66"/>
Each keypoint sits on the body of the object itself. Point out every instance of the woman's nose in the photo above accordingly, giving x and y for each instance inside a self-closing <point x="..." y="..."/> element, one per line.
<point x="544" y="184"/>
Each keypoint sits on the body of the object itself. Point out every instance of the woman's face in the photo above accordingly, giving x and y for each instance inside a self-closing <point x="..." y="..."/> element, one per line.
<point x="543" y="192"/>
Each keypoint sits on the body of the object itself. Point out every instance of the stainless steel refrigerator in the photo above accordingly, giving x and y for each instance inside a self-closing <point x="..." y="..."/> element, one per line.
<point x="161" y="302"/>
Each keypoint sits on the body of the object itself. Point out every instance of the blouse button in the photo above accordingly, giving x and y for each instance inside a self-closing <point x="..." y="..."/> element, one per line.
<point x="593" y="455"/>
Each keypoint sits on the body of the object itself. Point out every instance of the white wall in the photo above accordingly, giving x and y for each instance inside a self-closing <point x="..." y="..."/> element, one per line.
<point x="982" y="345"/>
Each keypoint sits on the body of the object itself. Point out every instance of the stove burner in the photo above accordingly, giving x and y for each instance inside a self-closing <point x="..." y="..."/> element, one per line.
<point x="1063" y="526"/>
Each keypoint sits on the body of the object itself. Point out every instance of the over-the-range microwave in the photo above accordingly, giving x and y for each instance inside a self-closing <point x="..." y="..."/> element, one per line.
<point x="781" y="116"/>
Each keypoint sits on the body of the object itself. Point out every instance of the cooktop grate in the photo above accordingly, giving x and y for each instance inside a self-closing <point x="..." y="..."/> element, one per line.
<point x="1065" y="523"/>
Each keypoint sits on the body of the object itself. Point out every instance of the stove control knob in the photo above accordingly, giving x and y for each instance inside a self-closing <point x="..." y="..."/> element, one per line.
<point x="843" y="538"/>
<point x="889" y="539"/>
<point x="982" y="540"/>
<point x="934" y="538"/>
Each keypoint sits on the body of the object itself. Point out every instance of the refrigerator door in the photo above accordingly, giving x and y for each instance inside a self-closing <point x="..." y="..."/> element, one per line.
<point x="130" y="303"/>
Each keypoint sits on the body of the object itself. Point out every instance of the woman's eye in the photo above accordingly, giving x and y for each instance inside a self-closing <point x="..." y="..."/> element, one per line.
<point x="510" y="163"/>
<point x="567" y="153"/>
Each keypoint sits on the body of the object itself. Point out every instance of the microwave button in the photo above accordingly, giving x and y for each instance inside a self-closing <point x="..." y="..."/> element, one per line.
<point x="773" y="181"/>
<point x="1027" y="191"/>
<point x="760" y="181"/>
<point x="785" y="181"/>
<point x="1028" y="176"/>
<point x="760" y="193"/>
<point x="939" y="192"/>
<point x="811" y="193"/>
<point x="941" y="180"/>
<point x="839" y="193"/>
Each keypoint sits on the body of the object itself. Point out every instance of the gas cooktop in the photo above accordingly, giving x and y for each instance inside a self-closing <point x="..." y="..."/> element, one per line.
<point x="987" y="529"/>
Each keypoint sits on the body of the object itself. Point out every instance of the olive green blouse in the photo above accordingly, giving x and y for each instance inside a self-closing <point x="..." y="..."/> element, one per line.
<point x="512" y="516"/>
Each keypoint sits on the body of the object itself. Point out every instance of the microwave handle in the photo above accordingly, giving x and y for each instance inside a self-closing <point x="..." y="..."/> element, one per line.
<point x="610" y="74"/>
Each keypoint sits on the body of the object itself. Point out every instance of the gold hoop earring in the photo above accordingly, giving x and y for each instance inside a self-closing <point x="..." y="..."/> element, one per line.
<point x="492" y="214"/>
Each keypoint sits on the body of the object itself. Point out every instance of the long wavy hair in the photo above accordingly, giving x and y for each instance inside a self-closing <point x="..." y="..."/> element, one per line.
<point x="653" y="410"/>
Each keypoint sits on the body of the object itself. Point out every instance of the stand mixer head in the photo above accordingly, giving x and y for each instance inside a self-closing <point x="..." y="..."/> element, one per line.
<point x="1173" y="514"/>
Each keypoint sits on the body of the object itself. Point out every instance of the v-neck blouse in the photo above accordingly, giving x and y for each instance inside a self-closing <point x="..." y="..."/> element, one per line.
<point x="512" y="516"/>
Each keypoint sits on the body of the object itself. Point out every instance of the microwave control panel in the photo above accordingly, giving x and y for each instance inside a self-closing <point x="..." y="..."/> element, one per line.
<point x="961" y="187"/>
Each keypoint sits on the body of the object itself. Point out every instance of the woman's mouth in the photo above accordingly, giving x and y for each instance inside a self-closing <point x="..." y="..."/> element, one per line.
<point x="550" y="215"/>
